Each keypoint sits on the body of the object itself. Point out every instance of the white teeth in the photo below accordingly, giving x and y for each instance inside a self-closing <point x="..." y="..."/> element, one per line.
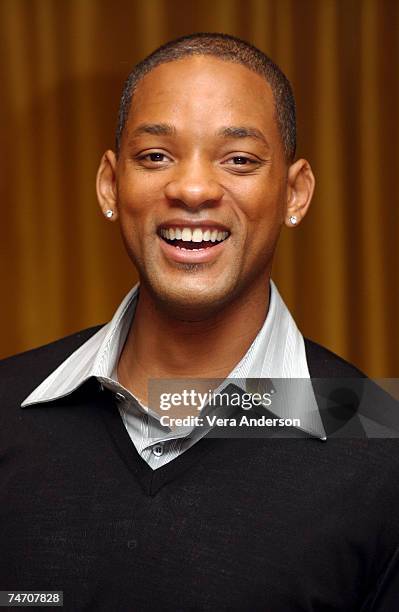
<point x="191" y="250"/>
<point x="197" y="235"/>
<point x="186" y="234"/>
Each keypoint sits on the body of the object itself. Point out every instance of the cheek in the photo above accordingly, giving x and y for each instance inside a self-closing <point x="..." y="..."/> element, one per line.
<point x="262" y="198"/>
<point x="261" y="211"/>
<point x="133" y="198"/>
<point x="137" y="202"/>
<point x="137" y="188"/>
<point x="262" y="206"/>
<point x="132" y="220"/>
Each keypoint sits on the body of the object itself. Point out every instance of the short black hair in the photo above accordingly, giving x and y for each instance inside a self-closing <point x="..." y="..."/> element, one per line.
<point x="228" y="48"/>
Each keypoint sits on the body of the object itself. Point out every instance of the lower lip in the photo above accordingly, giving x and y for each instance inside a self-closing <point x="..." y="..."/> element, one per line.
<point x="192" y="256"/>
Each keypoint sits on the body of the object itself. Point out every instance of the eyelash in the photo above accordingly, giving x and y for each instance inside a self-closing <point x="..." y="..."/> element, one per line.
<point x="251" y="161"/>
<point x="148" y="155"/>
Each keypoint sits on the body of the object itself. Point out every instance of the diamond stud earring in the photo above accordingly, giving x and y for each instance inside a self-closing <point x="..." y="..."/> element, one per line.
<point x="293" y="220"/>
<point x="109" y="213"/>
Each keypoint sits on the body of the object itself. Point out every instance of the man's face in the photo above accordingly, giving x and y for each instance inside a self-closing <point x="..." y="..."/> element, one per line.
<point x="201" y="202"/>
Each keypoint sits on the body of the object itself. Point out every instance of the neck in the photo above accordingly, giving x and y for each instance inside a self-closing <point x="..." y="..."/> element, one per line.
<point x="161" y="346"/>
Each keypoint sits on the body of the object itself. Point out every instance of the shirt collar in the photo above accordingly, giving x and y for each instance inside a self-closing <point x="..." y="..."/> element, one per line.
<point x="277" y="352"/>
<point x="95" y="357"/>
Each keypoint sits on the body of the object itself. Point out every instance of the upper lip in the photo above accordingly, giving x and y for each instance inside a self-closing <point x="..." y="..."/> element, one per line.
<point x="205" y="223"/>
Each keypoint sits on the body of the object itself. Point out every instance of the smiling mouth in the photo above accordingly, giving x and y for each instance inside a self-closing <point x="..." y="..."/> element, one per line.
<point x="193" y="239"/>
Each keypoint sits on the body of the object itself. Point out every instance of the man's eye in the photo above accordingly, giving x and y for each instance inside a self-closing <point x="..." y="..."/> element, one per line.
<point x="154" y="157"/>
<point x="240" y="160"/>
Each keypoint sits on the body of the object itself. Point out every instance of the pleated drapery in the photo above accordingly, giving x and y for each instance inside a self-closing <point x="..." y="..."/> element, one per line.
<point x="63" y="63"/>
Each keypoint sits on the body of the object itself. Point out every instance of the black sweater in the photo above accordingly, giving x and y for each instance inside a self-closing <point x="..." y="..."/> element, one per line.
<point x="275" y="525"/>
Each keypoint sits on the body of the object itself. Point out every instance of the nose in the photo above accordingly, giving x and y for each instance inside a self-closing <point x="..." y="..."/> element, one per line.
<point x="194" y="185"/>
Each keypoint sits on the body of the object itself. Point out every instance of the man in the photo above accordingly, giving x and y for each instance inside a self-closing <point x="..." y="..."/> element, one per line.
<point x="202" y="180"/>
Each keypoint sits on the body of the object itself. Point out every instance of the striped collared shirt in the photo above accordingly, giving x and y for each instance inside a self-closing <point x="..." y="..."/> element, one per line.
<point x="277" y="352"/>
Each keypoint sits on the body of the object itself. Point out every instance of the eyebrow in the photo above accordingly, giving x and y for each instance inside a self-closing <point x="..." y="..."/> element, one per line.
<point x="156" y="129"/>
<point x="232" y="131"/>
<point x="242" y="132"/>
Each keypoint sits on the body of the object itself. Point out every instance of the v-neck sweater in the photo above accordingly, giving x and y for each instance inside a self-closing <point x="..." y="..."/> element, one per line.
<point x="232" y="524"/>
<point x="277" y="351"/>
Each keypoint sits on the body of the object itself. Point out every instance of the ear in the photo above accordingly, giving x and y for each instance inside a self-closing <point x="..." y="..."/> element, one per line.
<point x="106" y="185"/>
<point x="301" y="183"/>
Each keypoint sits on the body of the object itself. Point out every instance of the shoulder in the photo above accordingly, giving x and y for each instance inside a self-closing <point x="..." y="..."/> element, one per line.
<point x="57" y="350"/>
<point x="375" y="409"/>
<point x="21" y="373"/>
<point x="323" y="363"/>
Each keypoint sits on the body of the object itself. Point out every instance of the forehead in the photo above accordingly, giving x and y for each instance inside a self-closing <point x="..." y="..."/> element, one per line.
<point x="203" y="91"/>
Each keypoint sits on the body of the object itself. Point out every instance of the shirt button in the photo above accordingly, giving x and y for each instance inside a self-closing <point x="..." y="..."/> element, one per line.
<point x="157" y="450"/>
<point x="120" y="397"/>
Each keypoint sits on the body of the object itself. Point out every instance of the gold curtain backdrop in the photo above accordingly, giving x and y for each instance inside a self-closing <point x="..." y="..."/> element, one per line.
<point x="63" y="63"/>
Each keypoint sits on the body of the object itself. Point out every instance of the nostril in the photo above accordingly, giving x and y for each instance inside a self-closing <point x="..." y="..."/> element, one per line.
<point x="194" y="193"/>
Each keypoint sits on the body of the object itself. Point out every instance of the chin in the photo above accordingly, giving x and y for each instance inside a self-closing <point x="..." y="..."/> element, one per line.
<point x="191" y="300"/>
